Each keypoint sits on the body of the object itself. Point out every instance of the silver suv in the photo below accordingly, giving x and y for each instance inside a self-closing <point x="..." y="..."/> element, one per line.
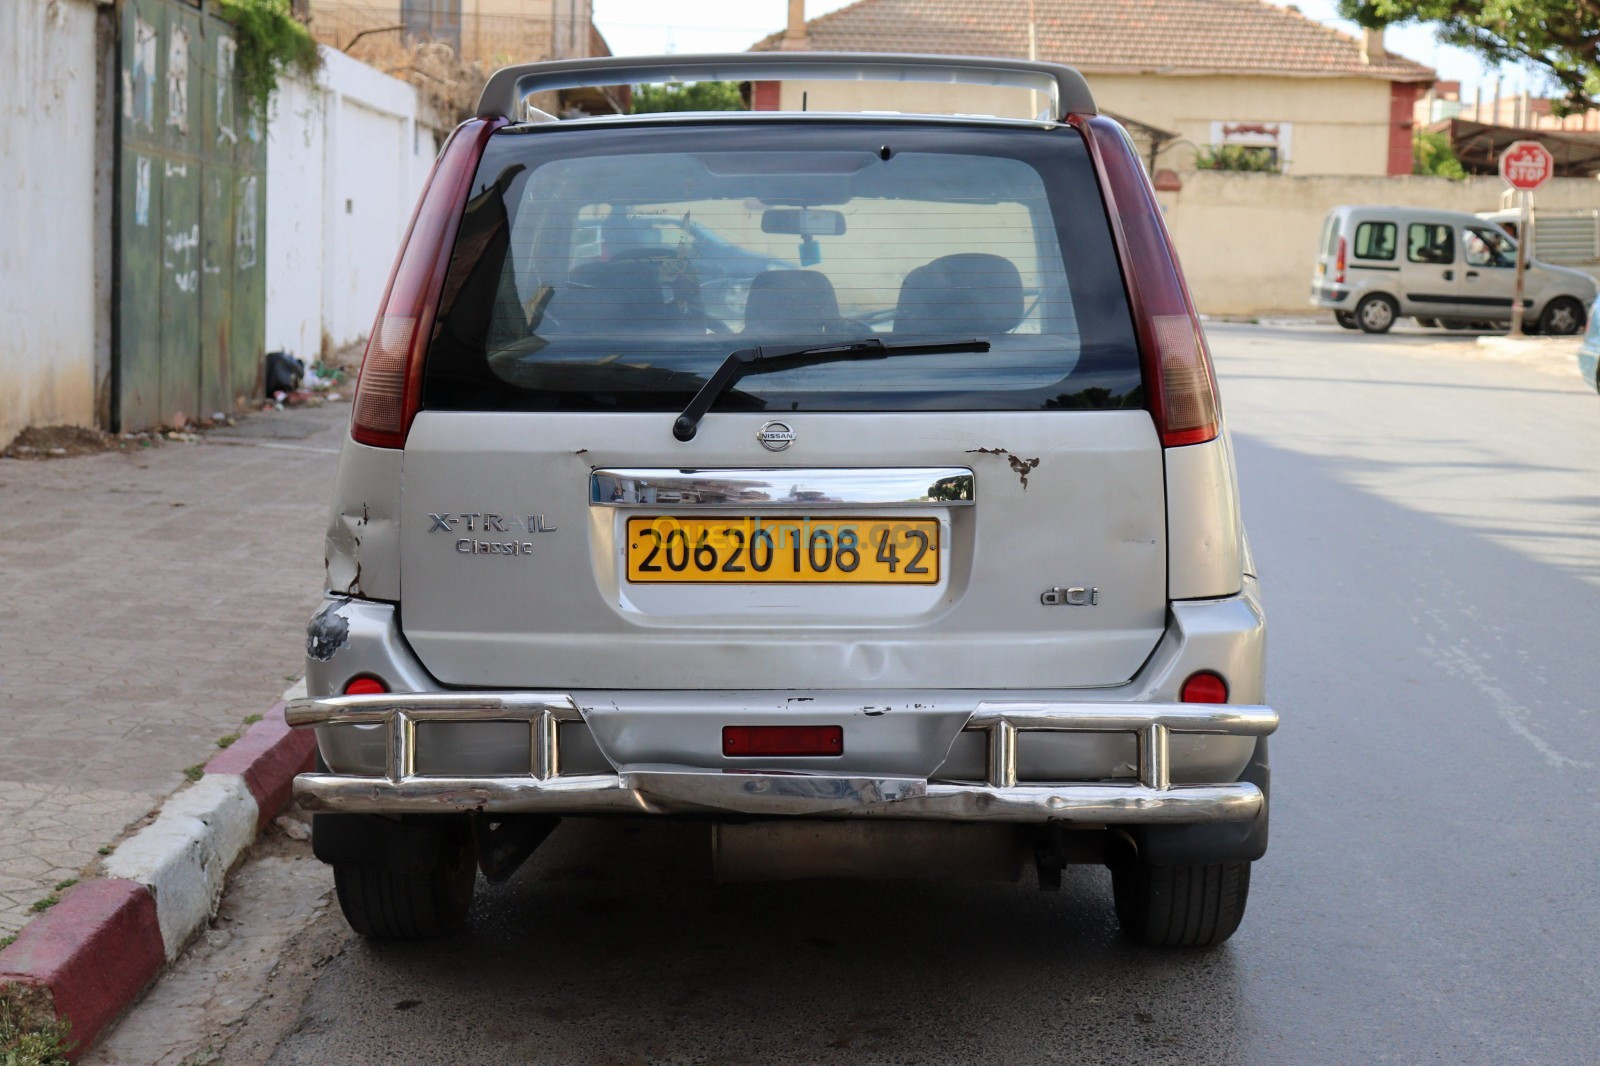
<point x="924" y="556"/>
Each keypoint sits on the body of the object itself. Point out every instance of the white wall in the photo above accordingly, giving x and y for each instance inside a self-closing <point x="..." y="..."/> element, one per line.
<point x="346" y="159"/>
<point x="49" y="316"/>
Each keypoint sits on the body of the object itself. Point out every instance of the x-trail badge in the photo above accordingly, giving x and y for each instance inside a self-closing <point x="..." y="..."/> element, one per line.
<point x="775" y="436"/>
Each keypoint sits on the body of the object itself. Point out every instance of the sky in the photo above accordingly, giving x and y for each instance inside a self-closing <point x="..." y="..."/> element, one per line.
<point x="654" y="27"/>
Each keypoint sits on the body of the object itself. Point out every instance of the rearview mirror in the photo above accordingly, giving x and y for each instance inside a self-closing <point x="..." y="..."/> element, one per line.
<point x="802" y="221"/>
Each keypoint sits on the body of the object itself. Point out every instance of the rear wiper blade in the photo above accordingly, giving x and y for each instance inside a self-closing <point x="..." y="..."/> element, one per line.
<point x="766" y="360"/>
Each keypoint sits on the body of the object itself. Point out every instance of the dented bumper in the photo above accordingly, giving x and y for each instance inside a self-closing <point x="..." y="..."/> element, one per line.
<point x="542" y="786"/>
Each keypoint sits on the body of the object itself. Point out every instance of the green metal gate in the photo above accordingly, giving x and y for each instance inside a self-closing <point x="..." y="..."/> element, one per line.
<point x="191" y="199"/>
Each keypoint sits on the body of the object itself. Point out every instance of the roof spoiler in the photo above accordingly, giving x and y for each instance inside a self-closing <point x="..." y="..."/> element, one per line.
<point x="508" y="89"/>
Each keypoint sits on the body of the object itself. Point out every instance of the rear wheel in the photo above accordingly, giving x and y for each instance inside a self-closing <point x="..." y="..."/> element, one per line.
<point x="1180" y="906"/>
<point x="418" y="896"/>
<point x="1347" y="319"/>
<point x="1562" y="317"/>
<point x="1376" y="313"/>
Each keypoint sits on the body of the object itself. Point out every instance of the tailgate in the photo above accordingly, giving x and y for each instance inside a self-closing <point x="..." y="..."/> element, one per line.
<point x="516" y="542"/>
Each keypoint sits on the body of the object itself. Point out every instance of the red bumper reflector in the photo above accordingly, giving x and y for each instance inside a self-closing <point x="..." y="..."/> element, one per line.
<point x="1204" y="687"/>
<point x="747" y="740"/>
<point x="365" y="686"/>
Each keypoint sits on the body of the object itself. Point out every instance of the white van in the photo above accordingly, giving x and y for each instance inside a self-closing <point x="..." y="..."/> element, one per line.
<point x="1443" y="268"/>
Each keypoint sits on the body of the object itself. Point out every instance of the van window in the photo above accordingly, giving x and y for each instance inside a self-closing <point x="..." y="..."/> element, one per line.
<point x="1488" y="247"/>
<point x="1376" y="240"/>
<point x="1430" y="242"/>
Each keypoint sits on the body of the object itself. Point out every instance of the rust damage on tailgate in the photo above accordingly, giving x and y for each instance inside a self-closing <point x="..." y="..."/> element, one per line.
<point x="1023" y="467"/>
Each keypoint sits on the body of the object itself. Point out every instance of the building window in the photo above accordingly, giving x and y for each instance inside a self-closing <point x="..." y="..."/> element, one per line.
<point x="433" y="20"/>
<point x="1269" y="139"/>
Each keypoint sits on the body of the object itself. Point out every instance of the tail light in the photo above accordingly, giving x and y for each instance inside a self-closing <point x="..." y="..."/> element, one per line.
<point x="389" y="390"/>
<point x="1338" y="264"/>
<point x="1204" y="687"/>
<point x="365" y="686"/>
<point x="1179" y="380"/>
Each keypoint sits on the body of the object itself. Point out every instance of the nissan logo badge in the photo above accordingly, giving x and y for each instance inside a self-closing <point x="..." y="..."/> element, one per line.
<point x="775" y="436"/>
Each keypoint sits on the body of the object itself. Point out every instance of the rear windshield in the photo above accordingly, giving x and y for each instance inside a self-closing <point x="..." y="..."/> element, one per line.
<point x="610" y="269"/>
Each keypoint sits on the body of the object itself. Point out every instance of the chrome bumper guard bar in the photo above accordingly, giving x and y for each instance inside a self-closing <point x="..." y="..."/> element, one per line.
<point x="675" y="790"/>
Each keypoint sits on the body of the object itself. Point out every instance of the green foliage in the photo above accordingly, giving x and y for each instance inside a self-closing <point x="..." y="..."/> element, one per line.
<point x="26" y="1043"/>
<point x="693" y="96"/>
<point x="39" y="906"/>
<point x="62" y="886"/>
<point x="272" y="42"/>
<point x="7" y="941"/>
<point x="1236" y="157"/>
<point x="195" y="772"/>
<point x="1555" y="36"/>
<point x="1432" y="155"/>
<point x="227" y="739"/>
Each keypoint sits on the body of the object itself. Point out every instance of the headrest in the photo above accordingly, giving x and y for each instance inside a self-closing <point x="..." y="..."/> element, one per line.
<point x="969" y="292"/>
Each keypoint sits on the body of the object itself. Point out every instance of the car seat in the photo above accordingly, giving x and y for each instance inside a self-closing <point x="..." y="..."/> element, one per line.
<point x="794" y="303"/>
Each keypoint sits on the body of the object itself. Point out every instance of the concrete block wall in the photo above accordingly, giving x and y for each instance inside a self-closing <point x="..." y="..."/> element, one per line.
<point x="1248" y="242"/>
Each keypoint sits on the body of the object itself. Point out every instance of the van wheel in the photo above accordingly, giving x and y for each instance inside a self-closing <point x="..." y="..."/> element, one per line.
<point x="1180" y="906"/>
<point x="428" y="897"/>
<point x="1347" y="319"/>
<point x="1376" y="313"/>
<point x="1428" y="323"/>
<point x="1562" y="317"/>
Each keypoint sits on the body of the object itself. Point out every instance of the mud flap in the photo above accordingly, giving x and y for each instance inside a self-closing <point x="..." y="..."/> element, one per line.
<point x="1187" y="845"/>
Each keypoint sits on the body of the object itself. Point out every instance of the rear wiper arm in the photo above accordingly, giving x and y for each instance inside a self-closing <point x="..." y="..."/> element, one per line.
<point x="766" y="360"/>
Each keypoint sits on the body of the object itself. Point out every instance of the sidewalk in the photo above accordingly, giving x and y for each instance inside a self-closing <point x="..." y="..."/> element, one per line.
<point x="149" y="602"/>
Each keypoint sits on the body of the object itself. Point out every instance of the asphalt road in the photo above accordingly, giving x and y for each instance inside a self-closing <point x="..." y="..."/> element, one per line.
<point x="1427" y="525"/>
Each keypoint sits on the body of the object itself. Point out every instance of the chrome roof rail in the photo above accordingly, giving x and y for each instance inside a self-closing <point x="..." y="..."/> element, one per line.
<point x="510" y="87"/>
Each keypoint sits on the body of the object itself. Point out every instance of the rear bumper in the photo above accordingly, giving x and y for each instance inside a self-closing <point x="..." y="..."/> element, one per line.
<point x="1333" y="296"/>
<point x="1150" y="799"/>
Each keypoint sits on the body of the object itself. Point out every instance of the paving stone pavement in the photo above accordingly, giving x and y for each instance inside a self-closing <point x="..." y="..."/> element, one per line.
<point x="149" y="601"/>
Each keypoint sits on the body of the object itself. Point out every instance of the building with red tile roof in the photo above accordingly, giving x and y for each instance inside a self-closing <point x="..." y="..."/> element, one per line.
<point x="1214" y="72"/>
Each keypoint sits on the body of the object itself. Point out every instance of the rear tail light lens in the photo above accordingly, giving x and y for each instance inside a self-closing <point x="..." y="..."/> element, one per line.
<point x="1338" y="264"/>
<point x="1179" y="380"/>
<point x="746" y="740"/>
<point x="365" y="686"/>
<point x="1204" y="687"/>
<point x="389" y="390"/>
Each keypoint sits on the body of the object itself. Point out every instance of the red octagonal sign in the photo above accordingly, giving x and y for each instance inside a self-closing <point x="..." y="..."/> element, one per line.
<point x="1526" y="165"/>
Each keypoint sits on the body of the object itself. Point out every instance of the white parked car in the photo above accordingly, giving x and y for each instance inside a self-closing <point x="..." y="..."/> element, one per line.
<point x="1378" y="264"/>
<point x="925" y="559"/>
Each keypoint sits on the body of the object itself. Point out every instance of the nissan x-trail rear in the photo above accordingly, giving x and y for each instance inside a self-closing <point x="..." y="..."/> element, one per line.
<point x="852" y="484"/>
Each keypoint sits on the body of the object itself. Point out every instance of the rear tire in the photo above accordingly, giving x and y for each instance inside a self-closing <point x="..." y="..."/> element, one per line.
<point x="1562" y="317"/>
<point x="1376" y="313"/>
<point x="431" y="902"/>
<point x="1180" y="906"/>
<point x="1347" y="319"/>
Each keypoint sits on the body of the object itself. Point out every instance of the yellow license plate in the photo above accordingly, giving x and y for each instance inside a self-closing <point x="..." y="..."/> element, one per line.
<point x="754" y="550"/>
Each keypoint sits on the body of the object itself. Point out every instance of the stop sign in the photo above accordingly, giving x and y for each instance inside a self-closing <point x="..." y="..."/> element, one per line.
<point x="1526" y="165"/>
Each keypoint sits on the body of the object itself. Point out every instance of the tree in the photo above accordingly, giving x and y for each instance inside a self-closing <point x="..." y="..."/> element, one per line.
<point x="693" y="96"/>
<point x="1559" y="37"/>
<point x="1432" y="155"/>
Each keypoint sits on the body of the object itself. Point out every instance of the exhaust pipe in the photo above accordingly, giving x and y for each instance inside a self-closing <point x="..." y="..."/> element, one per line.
<point x="790" y="850"/>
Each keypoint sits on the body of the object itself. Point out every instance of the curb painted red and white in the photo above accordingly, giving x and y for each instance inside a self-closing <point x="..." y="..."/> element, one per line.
<point x="90" y="956"/>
